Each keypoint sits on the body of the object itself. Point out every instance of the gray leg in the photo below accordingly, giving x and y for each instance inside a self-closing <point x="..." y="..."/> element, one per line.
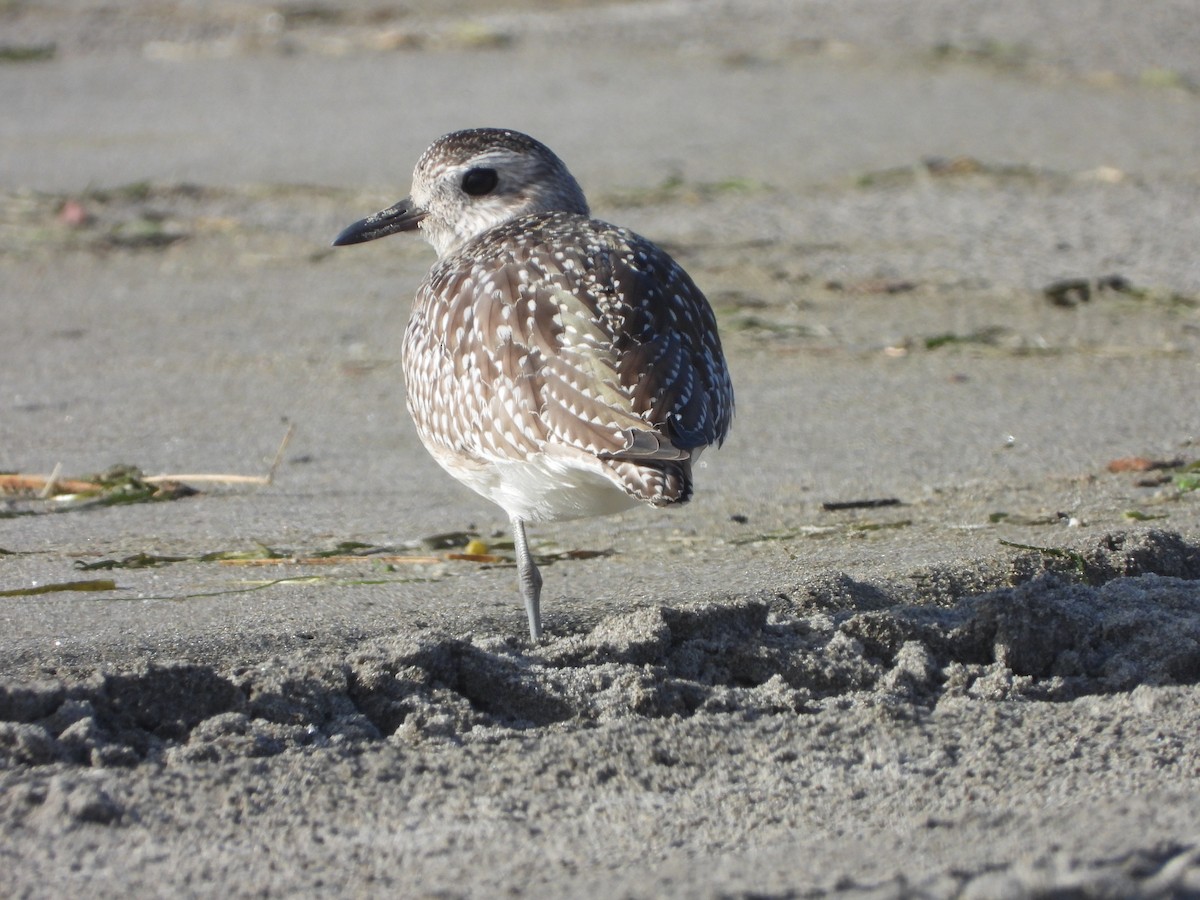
<point x="530" y="580"/>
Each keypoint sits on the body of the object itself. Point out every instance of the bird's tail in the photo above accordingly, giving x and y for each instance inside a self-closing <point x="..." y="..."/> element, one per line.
<point x="659" y="483"/>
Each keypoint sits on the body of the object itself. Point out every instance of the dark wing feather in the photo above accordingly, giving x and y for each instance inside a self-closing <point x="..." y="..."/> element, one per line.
<point x="669" y="352"/>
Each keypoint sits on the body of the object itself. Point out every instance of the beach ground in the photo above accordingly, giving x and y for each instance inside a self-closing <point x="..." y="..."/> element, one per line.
<point x="931" y="626"/>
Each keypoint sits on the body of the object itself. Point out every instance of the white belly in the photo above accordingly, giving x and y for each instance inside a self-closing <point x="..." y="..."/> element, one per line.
<point x="541" y="488"/>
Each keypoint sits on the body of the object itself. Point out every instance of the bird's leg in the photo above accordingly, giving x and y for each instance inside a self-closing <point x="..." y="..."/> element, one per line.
<point x="530" y="579"/>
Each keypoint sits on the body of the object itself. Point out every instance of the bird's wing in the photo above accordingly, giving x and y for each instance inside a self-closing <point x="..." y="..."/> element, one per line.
<point x="601" y="343"/>
<point x="668" y="350"/>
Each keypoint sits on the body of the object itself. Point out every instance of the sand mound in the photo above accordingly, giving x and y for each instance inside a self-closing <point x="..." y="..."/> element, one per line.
<point x="1123" y="613"/>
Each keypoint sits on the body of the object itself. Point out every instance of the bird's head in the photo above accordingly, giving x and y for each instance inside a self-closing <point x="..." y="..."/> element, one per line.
<point x="468" y="182"/>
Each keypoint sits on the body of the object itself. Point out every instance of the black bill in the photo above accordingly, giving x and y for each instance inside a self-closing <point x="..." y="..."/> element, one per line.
<point x="404" y="216"/>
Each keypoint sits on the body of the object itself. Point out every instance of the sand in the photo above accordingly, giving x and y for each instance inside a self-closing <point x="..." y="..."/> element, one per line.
<point x="952" y="251"/>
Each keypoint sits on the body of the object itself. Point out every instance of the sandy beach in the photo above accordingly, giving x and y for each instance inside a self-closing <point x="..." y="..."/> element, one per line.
<point x="929" y="628"/>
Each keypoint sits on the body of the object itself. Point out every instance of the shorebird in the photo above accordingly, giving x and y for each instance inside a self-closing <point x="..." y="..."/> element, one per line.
<point x="560" y="366"/>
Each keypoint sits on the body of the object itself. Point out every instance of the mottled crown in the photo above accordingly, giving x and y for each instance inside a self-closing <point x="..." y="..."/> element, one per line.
<point x="470" y="181"/>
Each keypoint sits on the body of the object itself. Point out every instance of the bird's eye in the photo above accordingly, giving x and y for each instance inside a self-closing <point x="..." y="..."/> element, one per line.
<point x="478" y="182"/>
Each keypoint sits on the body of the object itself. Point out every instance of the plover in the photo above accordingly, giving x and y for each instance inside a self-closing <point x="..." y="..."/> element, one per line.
<point x="560" y="366"/>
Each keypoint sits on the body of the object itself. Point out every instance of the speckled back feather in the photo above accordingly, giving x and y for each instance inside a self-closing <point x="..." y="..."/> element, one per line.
<point x="553" y="332"/>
